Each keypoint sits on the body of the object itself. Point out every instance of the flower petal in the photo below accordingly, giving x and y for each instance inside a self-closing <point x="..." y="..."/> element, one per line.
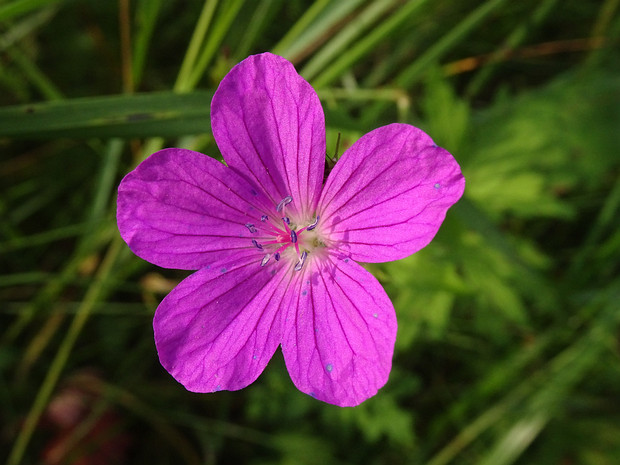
<point x="269" y="125"/>
<point x="219" y="327"/>
<point x="339" y="332"/>
<point x="182" y="209"/>
<point x="388" y="194"/>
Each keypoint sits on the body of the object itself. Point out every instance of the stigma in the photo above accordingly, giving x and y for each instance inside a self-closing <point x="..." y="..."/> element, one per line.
<point x="282" y="237"/>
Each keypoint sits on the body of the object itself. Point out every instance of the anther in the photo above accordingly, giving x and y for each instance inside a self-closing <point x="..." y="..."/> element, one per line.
<point x="313" y="225"/>
<point x="283" y="203"/>
<point x="265" y="260"/>
<point x="264" y="218"/>
<point x="301" y="261"/>
<point x="256" y="244"/>
<point x="286" y="219"/>
<point x="276" y="256"/>
<point x="250" y="227"/>
<point x="293" y="237"/>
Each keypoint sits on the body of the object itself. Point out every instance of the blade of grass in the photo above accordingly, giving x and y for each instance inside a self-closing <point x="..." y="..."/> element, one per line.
<point x="26" y="26"/>
<point x="307" y="33"/>
<point x="147" y="12"/>
<point x="182" y="83"/>
<point x="260" y="20"/>
<point x="216" y="35"/>
<point x="156" y="114"/>
<point x="414" y="72"/>
<point x="20" y="7"/>
<point x="343" y="39"/>
<point x="364" y="46"/>
<point x="34" y="75"/>
<point x="283" y="47"/>
<point x="124" y="23"/>
<point x="46" y="237"/>
<point x="608" y="214"/>
<point x="516" y="38"/>
<point x="95" y="230"/>
<point x="143" y="115"/>
<point x="94" y="296"/>
<point x="563" y="371"/>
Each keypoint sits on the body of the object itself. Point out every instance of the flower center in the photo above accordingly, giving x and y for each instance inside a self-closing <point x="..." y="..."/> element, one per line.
<point x="279" y="237"/>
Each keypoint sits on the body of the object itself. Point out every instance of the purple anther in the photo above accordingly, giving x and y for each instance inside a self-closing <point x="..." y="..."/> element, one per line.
<point x="284" y="202"/>
<point x="286" y="219"/>
<point x="293" y="237"/>
<point x="264" y="218"/>
<point x="277" y="256"/>
<point x="256" y="244"/>
<point x="301" y="261"/>
<point x="250" y="227"/>
<point x="265" y="259"/>
<point x="313" y="225"/>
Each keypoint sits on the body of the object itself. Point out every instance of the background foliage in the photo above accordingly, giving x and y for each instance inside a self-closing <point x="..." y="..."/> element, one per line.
<point x="508" y="322"/>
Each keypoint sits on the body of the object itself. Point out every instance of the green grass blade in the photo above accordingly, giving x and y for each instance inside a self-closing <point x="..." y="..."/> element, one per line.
<point x="313" y="27"/>
<point x="157" y="114"/>
<point x="337" y="45"/>
<point x="20" y="7"/>
<point x="146" y="16"/>
<point x="142" y="115"/>
<point x="189" y="61"/>
<point x="515" y="39"/>
<point x="414" y="72"/>
<point x="366" y="44"/>
<point x="218" y="31"/>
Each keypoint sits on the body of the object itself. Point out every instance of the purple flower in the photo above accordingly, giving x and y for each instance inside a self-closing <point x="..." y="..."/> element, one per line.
<point x="275" y="249"/>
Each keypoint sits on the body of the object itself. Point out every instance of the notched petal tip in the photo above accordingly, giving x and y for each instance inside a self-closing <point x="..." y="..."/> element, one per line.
<point x="269" y="125"/>
<point x="217" y="331"/>
<point x="340" y="348"/>
<point x="182" y="209"/>
<point x="389" y="193"/>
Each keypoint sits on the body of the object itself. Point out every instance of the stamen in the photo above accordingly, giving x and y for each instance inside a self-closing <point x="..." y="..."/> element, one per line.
<point x="277" y="256"/>
<point x="284" y="202"/>
<point x="265" y="260"/>
<point x="313" y="225"/>
<point x="251" y="227"/>
<point x="264" y="218"/>
<point x="301" y="261"/>
<point x="293" y="237"/>
<point x="256" y="244"/>
<point x="286" y="219"/>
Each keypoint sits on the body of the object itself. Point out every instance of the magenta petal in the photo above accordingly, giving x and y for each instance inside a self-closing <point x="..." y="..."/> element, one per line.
<point x="269" y="125"/>
<point x="219" y="327"/>
<point x="182" y="209"/>
<point x="388" y="194"/>
<point x="339" y="333"/>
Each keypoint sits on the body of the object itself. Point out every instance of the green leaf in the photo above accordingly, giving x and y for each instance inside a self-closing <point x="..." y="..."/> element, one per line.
<point x="161" y="114"/>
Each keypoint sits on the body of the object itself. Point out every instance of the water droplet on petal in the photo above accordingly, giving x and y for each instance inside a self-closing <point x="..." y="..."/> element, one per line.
<point x="375" y="315"/>
<point x="437" y="185"/>
<point x="329" y="367"/>
<point x="223" y="270"/>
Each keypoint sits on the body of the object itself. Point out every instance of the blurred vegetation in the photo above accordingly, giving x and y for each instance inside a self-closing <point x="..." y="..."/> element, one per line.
<point x="508" y="346"/>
